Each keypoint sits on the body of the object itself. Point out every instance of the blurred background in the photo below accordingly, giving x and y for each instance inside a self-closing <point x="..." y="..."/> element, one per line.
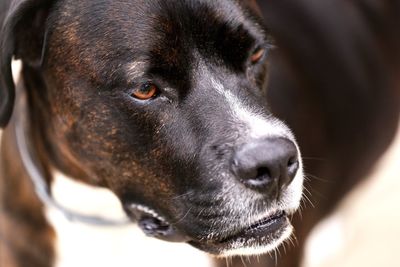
<point x="364" y="229"/>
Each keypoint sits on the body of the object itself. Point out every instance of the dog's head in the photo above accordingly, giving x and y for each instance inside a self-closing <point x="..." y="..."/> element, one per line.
<point x="163" y="102"/>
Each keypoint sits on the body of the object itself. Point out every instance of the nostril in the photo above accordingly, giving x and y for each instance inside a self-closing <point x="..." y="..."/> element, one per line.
<point x="293" y="165"/>
<point x="263" y="173"/>
<point x="292" y="161"/>
<point x="258" y="178"/>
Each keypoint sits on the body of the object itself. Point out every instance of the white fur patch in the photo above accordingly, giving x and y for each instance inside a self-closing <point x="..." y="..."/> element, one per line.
<point x="258" y="250"/>
<point x="16" y="70"/>
<point x="80" y="244"/>
<point x="292" y="195"/>
<point x="257" y="125"/>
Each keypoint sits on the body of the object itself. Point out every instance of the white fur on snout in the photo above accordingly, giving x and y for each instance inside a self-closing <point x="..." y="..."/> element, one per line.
<point x="257" y="125"/>
<point x="252" y="124"/>
<point x="258" y="250"/>
<point x="291" y="196"/>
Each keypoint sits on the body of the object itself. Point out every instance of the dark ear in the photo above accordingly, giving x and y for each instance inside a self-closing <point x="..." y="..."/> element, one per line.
<point x="22" y="24"/>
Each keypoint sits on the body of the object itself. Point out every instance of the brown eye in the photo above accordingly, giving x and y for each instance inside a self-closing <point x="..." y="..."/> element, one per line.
<point x="257" y="55"/>
<point x="145" y="92"/>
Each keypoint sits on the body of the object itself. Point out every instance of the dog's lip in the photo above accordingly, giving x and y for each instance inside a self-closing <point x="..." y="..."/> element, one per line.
<point x="261" y="233"/>
<point x="263" y="227"/>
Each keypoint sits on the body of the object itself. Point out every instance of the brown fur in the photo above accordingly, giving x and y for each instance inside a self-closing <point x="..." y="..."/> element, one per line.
<point x="21" y="214"/>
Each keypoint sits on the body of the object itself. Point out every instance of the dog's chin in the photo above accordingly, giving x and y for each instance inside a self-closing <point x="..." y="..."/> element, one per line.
<point x="260" y="237"/>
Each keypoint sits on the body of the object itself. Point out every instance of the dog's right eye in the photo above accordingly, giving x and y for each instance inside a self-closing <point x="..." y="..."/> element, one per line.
<point x="145" y="92"/>
<point x="257" y="55"/>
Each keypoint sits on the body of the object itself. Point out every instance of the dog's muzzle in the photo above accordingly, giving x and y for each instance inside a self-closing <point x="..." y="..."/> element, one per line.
<point x="262" y="173"/>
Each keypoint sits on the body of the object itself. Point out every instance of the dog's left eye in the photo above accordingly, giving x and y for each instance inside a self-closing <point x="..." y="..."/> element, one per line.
<point x="145" y="92"/>
<point x="257" y="55"/>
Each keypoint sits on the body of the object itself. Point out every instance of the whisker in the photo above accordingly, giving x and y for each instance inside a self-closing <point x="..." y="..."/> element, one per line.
<point x="308" y="200"/>
<point x="284" y="246"/>
<point x="244" y="263"/>
<point x="276" y="258"/>
<point x="294" y="240"/>
<point x="183" y="217"/>
<point x="181" y="196"/>
<point x="226" y="262"/>
<point x="248" y="259"/>
<point x="314" y="177"/>
<point x="300" y="211"/>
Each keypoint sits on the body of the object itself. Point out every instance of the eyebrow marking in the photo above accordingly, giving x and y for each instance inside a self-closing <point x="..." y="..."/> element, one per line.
<point x="135" y="69"/>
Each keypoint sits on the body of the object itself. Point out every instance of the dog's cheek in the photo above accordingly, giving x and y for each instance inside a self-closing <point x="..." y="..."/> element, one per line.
<point x="128" y="151"/>
<point x="164" y="168"/>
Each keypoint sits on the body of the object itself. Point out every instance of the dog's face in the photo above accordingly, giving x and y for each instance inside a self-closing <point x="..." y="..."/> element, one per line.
<point x="163" y="102"/>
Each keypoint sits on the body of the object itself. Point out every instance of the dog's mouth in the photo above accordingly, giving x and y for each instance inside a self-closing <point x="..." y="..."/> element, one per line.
<point x="262" y="227"/>
<point x="260" y="237"/>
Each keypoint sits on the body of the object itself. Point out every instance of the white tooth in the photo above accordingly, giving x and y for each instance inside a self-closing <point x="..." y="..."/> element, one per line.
<point x="148" y="211"/>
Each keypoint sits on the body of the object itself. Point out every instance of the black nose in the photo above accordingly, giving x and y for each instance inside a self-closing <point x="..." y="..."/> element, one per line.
<point x="266" y="165"/>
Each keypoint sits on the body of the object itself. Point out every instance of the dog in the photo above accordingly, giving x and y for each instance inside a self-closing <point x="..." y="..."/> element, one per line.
<point x="161" y="102"/>
<point x="367" y="95"/>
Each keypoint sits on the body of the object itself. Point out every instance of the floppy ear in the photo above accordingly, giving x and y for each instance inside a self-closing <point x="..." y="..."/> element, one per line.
<point x="20" y="21"/>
